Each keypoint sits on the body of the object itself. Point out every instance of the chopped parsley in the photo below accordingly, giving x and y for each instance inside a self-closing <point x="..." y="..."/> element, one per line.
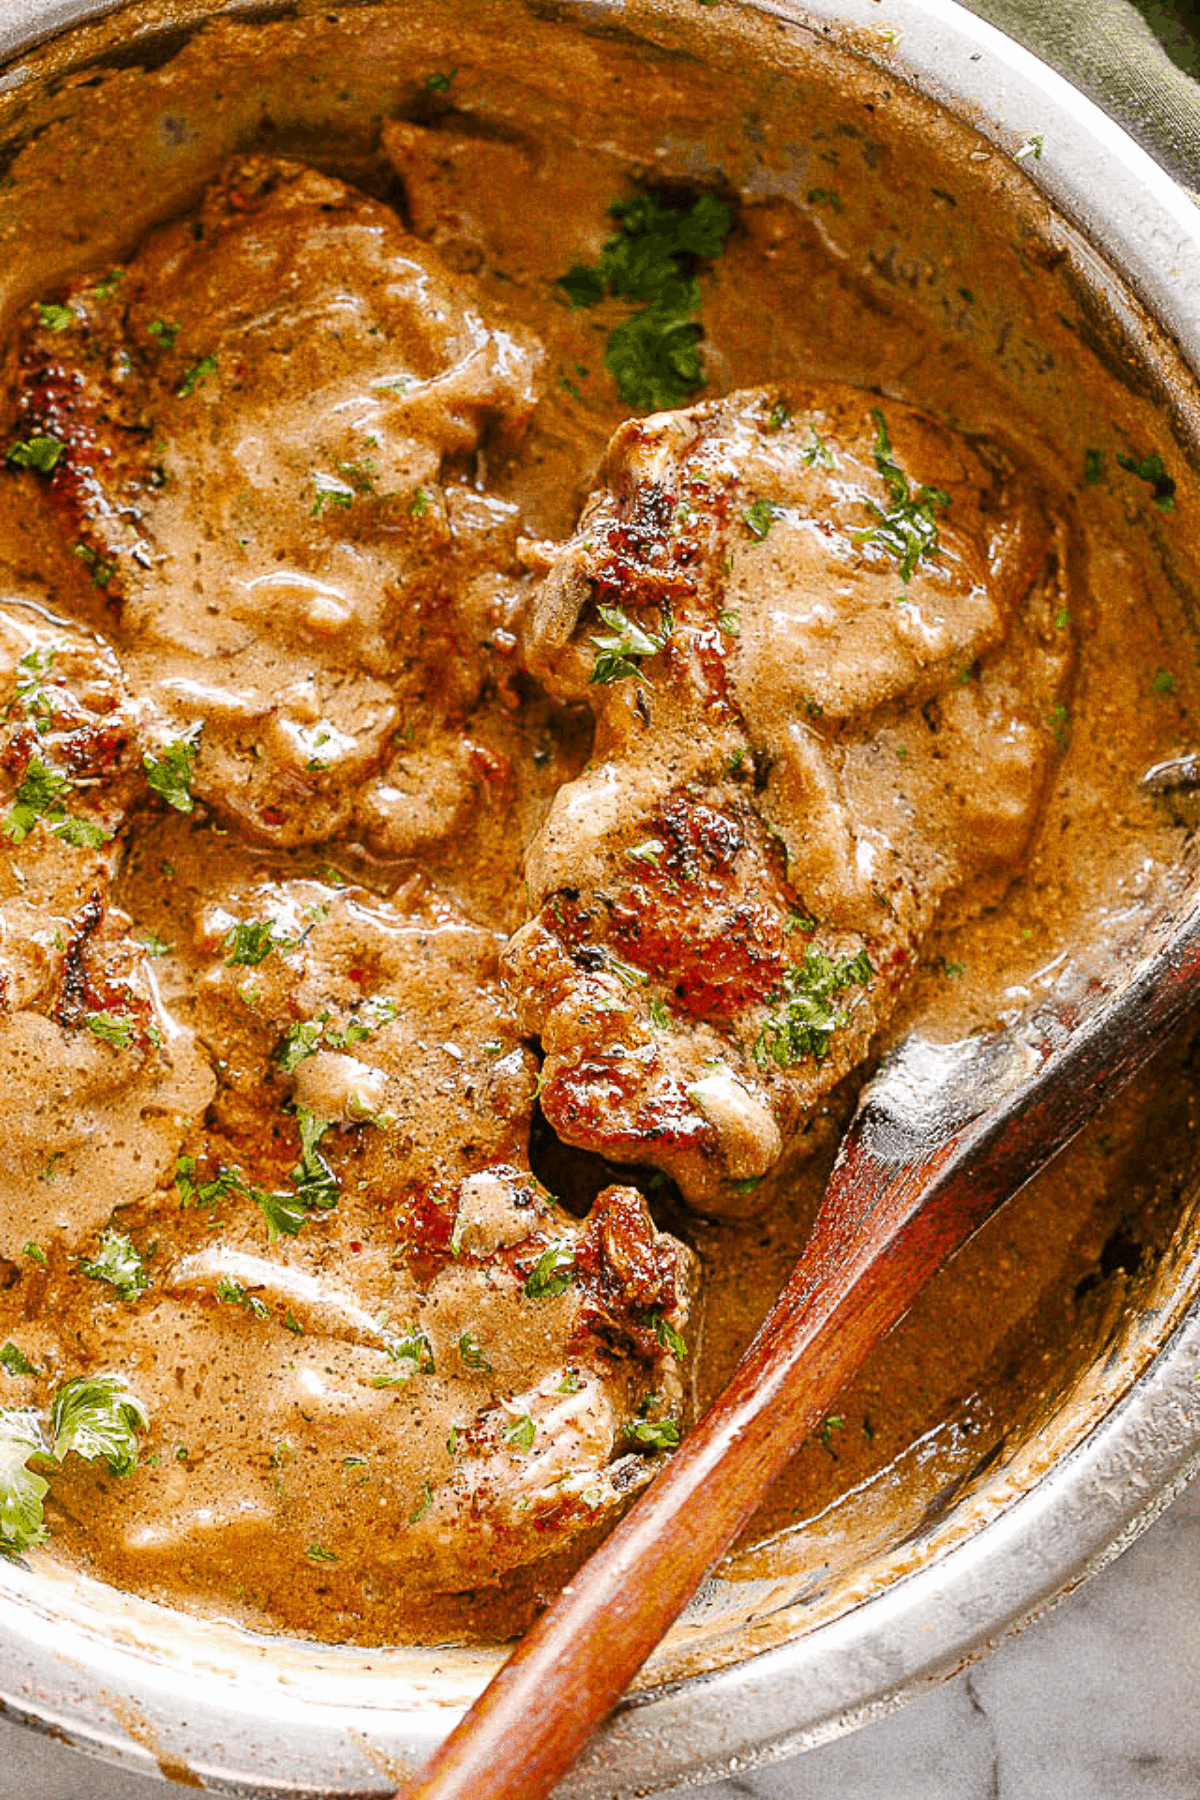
<point x="653" y="1434"/>
<point x="170" y="772"/>
<point x="520" y="1433"/>
<point x="165" y="334"/>
<point x="620" y="652"/>
<point x="53" y="317"/>
<point x="22" y="1491"/>
<point x="760" y="517"/>
<point x="319" y="1554"/>
<point x="30" y="694"/>
<point x="328" y="491"/>
<point x="439" y="81"/>
<point x="654" y="355"/>
<point x="816" y="450"/>
<point x="40" y="453"/>
<point x="413" y="1349"/>
<point x="108" y="284"/>
<point x="819" y="196"/>
<point x="1060" y="724"/>
<point x="910" y="529"/>
<point x="111" y="1028"/>
<point x="285" y="1213"/>
<point x="103" y="568"/>
<point x="117" y="1262"/>
<point x="804" y="1016"/>
<point x="34" y="1252"/>
<point x="207" y="1193"/>
<point x="97" y="1417"/>
<point x="252" y="942"/>
<point x="234" y="1294"/>
<point x="197" y="376"/>
<point x="153" y="945"/>
<point x="1152" y="470"/>
<point x="423" y="1505"/>
<point x="472" y="1354"/>
<point x="1031" y="147"/>
<point x="1163" y="682"/>
<point x="307" y="1036"/>
<point x="668" y="1337"/>
<point x="14" y="1362"/>
<point x="315" y="1182"/>
<point x="831" y="1423"/>
<point x="552" y="1274"/>
<point x="1093" y="467"/>
<point x="40" y="797"/>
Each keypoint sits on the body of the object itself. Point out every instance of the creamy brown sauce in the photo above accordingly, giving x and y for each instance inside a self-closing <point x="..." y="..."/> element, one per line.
<point x="358" y="551"/>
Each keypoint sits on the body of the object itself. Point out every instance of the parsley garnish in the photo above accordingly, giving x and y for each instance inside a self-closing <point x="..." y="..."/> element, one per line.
<point x="22" y="1522"/>
<point x="170" y="772"/>
<point x="252" y="942"/>
<point x="34" y="699"/>
<point x="552" y="1274"/>
<point x="423" y="1504"/>
<point x="234" y="1294"/>
<point x="34" y="1252"/>
<point x="53" y="317"/>
<point x="111" y="1028"/>
<point x="14" y="1362"/>
<point x="1163" y="682"/>
<point x="654" y="355"/>
<point x="1093" y="466"/>
<point x="118" y="1263"/>
<point x="40" y="797"/>
<point x="668" y="1337"/>
<point x="520" y="1433"/>
<point x="831" y="1423"/>
<point x="440" y="80"/>
<point x="37" y="795"/>
<point x="619" y="654"/>
<point x="658" y="1434"/>
<point x="319" y="1554"/>
<point x="909" y="531"/>
<point x="97" y="1416"/>
<point x="285" y="1213"/>
<point x="471" y="1353"/>
<point x="314" y="1184"/>
<point x="1152" y="470"/>
<point x="804" y="1018"/>
<point x="760" y="517"/>
<point x="304" y="1039"/>
<point x="413" y="1348"/>
<point x="103" y="568"/>
<point x="165" y="334"/>
<point x="108" y="284"/>
<point x="197" y="376"/>
<point x="40" y="453"/>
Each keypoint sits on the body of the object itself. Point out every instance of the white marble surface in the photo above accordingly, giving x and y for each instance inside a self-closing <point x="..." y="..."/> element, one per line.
<point x="1099" y="1701"/>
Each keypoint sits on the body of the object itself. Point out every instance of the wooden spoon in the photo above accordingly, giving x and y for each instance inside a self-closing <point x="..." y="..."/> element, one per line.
<point x="942" y="1137"/>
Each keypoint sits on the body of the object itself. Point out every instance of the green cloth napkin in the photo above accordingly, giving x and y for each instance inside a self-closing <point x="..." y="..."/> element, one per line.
<point x="1140" y="62"/>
